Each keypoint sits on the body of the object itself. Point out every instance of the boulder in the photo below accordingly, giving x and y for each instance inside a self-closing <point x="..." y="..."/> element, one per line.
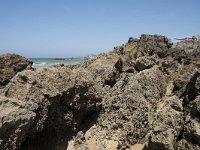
<point x="10" y="64"/>
<point x="66" y="100"/>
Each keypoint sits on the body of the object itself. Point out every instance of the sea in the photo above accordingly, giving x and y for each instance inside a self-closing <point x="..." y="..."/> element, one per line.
<point x="44" y="62"/>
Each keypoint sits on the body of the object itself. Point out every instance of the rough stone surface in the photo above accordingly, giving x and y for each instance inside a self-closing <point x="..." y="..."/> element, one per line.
<point x="167" y="125"/>
<point x="10" y="64"/>
<point x="16" y="118"/>
<point x="191" y="135"/>
<point x="65" y="98"/>
<point x="128" y="110"/>
<point x="142" y="95"/>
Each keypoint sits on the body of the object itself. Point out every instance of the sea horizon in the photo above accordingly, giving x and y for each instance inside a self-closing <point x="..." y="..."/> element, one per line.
<point x="42" y="62"/>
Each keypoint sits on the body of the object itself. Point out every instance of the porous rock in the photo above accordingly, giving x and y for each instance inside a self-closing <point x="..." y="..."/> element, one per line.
<point x="10" y="64"/>
<point x="16" y="119"/>
<point x="65" y="99"/>
<point x="132" y="96"/>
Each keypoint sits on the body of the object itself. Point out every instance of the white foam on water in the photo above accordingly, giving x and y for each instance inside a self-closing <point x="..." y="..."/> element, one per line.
<point x="39" y="64"/>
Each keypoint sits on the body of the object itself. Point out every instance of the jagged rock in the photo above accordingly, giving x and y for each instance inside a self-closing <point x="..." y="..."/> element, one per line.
<point x="189" y="45"/>
<point x="178" y="55"/>
<point x="127" y="112"/>
<point x="154" y="45"/>
<point x="16" y="119"/>
<point x="132" y="96"/>
<point x="105" y="69"/>
<point x="195" y="109"/>
<point x="119" y="65"/>
<point x="10" y="64"/>
<point x="131" y="39"/>
<point x="144" y="62"/>
<point x="66" y="100"/>
<point x="168" y="125"/>
<point x="164" y="124"/>
<point x="191" y="134"/>
<point x="190" y="91"/>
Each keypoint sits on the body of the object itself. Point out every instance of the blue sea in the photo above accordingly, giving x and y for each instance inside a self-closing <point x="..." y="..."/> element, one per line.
<point x="42" y="62"/>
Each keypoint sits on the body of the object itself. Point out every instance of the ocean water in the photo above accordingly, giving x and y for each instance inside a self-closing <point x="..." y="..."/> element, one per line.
<point x="42" y="62"/>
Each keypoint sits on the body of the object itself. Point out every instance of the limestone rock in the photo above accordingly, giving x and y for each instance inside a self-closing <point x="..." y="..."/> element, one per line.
<point x="191" y="135"/>
<point x="16" y="119"/>
<point x="66" y="100"/>
<point x="130" y="97"/>
<point x="144" y="62"/>
<point x="168" y="125"/>
<point x="10" y="64"/>
<point x="128" y="112"/>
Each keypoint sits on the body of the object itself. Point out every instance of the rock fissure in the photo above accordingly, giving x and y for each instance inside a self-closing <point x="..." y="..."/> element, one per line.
<point x="188" y="95"/>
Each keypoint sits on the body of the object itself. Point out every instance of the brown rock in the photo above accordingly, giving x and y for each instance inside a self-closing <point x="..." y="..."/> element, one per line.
<point x="10" y="64"/>
<point x="116" y="100"/>
<point x="16" y="119"/>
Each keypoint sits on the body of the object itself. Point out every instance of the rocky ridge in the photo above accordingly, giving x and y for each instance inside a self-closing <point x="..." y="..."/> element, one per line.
<point x="144" y="94"/>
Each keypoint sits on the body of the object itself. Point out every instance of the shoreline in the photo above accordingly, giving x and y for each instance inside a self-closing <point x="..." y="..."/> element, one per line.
<point x="47" y="62"/>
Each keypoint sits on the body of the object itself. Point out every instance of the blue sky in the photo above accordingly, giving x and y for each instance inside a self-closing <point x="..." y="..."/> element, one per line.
<point x="66" y="28"/>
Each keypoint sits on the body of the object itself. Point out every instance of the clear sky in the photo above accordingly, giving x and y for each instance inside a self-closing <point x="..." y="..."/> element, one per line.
<point x="67" y="28"/>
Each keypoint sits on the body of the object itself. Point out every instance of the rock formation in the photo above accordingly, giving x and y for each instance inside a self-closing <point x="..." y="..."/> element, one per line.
<point x="10" y="64"/>
<point x="144" y="94"/>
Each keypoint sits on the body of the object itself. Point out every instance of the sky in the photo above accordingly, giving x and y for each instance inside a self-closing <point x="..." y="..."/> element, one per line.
<point x="76" y="28"/>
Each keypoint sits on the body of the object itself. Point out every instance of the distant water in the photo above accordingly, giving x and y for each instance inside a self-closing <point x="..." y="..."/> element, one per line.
<point x="42" y="62"/>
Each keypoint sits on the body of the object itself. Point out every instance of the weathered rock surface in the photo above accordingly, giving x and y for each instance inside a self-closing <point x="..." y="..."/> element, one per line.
<point x="167" y="125"/>
<point x="16" y="118"/>
<point x="144" y="106"/>
<point x="189" y="45"/>
<point x="10" y="64"/>
<point x="143" y="94"/>
<point x="65" y="98"/>
<point x="127" y="111"/>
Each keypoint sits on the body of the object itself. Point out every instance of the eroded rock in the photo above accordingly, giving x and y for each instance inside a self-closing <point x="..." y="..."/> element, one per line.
<point x="10" y="64"/>
<point x="66" y="100"/>
<point x="130" y="97"/>
<point x="16" y="119"/>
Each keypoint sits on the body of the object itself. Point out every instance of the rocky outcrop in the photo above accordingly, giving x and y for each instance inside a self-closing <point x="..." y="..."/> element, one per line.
<point x="191" y="133"/>
<point x="144" y="106"/>
<point x="143" y="94"/>
<point x="16" y="119"/>
<point x="189" y="45"/>
<point x="10" y="64"/>
<point x="127" y="111"/>
<point x="167" y="126"/>
<point x="66" y="100"/>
